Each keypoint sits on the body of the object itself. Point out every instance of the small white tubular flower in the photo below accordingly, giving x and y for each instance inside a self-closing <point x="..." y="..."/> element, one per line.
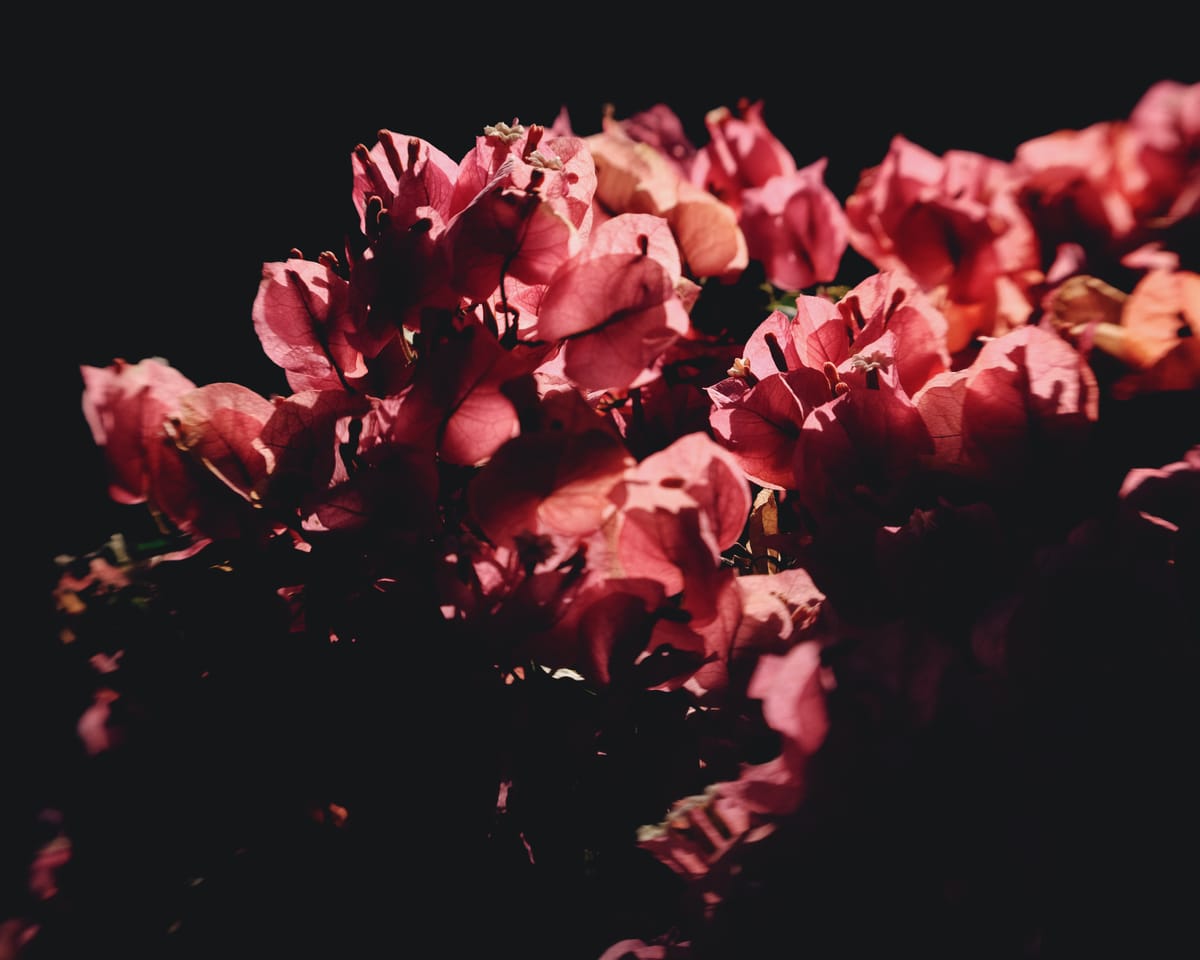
<point x="505" y="133"/>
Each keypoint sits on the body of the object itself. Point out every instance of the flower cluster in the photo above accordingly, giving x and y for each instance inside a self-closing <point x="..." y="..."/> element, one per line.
<point x="642" y="629"/>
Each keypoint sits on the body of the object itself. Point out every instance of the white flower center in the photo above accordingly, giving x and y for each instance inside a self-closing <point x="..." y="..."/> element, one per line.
<point x="740" y="368"/>
<point x="538" y="159"/>
<point x="866" y="362"/>
<point x="504" y="132"/>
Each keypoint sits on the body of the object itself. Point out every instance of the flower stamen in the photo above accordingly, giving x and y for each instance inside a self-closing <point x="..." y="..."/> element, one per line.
<point x="741" y="370"/>
<point x="505" y="133"/>
<point x="871" y="364"/>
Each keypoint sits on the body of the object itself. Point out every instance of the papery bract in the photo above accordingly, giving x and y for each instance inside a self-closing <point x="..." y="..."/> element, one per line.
<point x="403" y="188"/>
<point x="303" y="318"/>
<point x="940" y="403"/>
<point x="761" y="424"/>
<point x="300" y="444"/>
<point x="660" y="127"/>
<point x="742" y="153"/>
<point x="694" y="475"/>
<point x="507" y="231"/>
<point x="1028" y="395"/>
<point x="777" y="610"/>
<point x="521" y="207"/>
<point x="615" y="304"/>
<point x="677" y="510"/>
<point x="634" y="177"/>
<point x="127" y="407"/>
<point x="1166" y="125"/>
<point x="796" y="227"/>
<point x="815" y="335"/>
<point x="886" y="303"/>
<point x="868" y="438"/>
<point x="1117" y="184"/>
<point x="558" y="167"/>
<point x="954" y="223"/>
<point x="1159" y="334"/>
<point x="458" y="394"/>
<point x="385" y="475"/>
<point x="554" y="481"/>
<point x="219" y="424"/>
<point x="884" y="322"/>
<point x="409" y="175"/>
<point x="794" y="705"/>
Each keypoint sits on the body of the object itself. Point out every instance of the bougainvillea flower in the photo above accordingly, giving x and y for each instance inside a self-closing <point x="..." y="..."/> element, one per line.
<point x="403" y="188"/>
<point x="205" y="468"/>
<point x="793" y="698"/>
<point x="551" y="482"/>
<point x="677" y="510"/>
<point x="461" y="394"/>
<point x="660" y="127"/>
<point x="795" y="226"/>
<point x="1027" y="397"/>
<point x="742" y="153"/>
<point x="605" y="634"/>
<point x="340" y="461"/>
<point x="1117" y="184"/>
<point x="303" y="318"/>
<point x="634" y="177"/>
<point x="218" y="426"/>
<point x="507" y="231"/>
<point x="616" y="305"/>
<point x="521" y="207"/>
<point x="826" y="332"/>
<point x="127" y="407"/>
<point x="888" y="303"/>
<point x="778" y="610"/>
<point x="1159" y="505"/>
<point x="760" y="424"/>
<point x="1156" y="333"/>
<point x="658" y="412"/>
<point x="409" y="175"/>
<point x="559" y="167"/>
<point x="658" y="610"/>
<point x="694" y="474"/>
<point x="760" y="408"/>
<point x="1166" y="127"/>
<point x="868" y="438"/>
<point x="955" y="224"/>
<point x="883" y="322"/>
<point x="1072" y="184"/>
<point x="814" y="335"/>
<point x="299" y="442"/>
<point x="792" y="222"/>
<point x="794" y="704"/>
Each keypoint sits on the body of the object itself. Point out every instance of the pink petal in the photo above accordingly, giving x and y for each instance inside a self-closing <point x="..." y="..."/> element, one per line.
<point x="302" y="317"/>
<point x="219" y="423"/>
<point x="796" y="226"/>
<point x="127" y="407"/>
